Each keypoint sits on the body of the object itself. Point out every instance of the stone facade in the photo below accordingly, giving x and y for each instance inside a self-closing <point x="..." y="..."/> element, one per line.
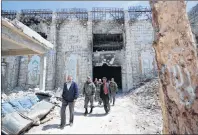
<point x="10" y="73"/>
<point x="73" y="52"/>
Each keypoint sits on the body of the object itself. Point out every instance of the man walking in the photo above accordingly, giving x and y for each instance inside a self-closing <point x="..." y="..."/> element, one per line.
<point x="104" y="94"/>
<point x="96" y="84"/>
<point x="114" y="89"/>
<point x="89" y="91"/>
<point x="69" y="97"/>
<point x="97" y="95"/>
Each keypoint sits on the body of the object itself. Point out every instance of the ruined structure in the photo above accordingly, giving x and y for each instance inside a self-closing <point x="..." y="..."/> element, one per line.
<point x="178" y="65"/>
<point x="107" y="42"/>
<point x="18" y="39"/>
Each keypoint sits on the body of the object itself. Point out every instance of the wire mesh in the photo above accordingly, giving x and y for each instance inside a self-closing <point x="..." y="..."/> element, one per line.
<point x="70" y="13"/>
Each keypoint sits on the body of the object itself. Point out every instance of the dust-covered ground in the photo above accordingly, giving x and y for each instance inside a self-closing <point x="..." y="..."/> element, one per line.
<point x="137" y="112"/>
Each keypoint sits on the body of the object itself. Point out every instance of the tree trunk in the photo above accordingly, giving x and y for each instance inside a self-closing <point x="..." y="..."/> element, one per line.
<point x="178" y="66"/>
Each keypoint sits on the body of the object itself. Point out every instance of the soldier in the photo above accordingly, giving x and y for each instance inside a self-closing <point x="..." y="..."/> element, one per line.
<point x="114" y="89"/>
<point x="96" y="80"/>
<point x="104" y="94"/>
<point x="98" y="84"/>
<point x="88" y="91"/>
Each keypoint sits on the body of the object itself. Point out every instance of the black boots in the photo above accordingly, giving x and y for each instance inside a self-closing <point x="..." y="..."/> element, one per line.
<point x="86" y="112"/>
<point x="61" y="126"/>
<point x="91" y="110"/>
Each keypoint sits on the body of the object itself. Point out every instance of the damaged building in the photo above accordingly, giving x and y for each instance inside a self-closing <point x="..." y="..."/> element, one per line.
<point x="107" y="42"/>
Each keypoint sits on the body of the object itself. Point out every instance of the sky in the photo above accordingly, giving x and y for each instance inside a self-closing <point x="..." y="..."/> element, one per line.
<point x="54" y="5"/>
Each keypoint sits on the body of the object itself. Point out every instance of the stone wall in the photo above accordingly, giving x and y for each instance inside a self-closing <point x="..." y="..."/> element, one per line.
<point x="10" y="73"/>
<point x="73" y="52"/>
<point x="139" y="37"/>
<point x="23" y="72"/>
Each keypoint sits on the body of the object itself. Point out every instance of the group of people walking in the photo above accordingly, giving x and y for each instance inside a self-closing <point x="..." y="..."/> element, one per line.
<point x="103" y="91"/>
<point x="100" y="90"/>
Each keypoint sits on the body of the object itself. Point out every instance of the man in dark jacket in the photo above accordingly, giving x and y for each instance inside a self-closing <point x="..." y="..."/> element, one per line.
<point x="69" y="97"/>
<point x="104" y="94"/>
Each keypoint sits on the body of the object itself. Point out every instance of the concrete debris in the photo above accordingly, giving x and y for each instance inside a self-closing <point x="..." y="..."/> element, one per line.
<point x="59" y="92"/>
<point x="147" y="96"/>
<point x="3" y="96"/>
<point x="147" y="99"/>
<point x="14" y="95"/>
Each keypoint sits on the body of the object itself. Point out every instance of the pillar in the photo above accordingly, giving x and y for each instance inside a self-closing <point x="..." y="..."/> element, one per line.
<point x="51" y="58"/>
<point x="127" y="80"/>
<point x="90" y="43"/>
<point x="43" y="65"/>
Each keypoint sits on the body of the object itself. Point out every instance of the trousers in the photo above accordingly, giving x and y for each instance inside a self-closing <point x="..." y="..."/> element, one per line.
<point x="106" y="103"/>
<point x="89" y="99"/>
<point x="71" y="111"/>
<point x="112" y="97"/>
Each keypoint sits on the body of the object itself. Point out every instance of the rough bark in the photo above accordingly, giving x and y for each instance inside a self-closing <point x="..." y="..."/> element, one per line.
<point x="178" y="66"/>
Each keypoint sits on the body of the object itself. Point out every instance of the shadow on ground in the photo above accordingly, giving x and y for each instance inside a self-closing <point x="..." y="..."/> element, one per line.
<point x="78" y="113"/>
<point x="50" y="126"/>
<point x="89" y="115"/>
<point x="97" y="115"/>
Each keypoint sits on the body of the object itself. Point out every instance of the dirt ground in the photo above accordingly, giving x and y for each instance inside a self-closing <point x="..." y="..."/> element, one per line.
<point x="126" y="117"/>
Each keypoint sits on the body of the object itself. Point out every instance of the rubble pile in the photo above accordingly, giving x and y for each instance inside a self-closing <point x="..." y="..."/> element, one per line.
<point x="15" y="94"/>
<point x="149" y="115"/>
<point x="19" y="92"/>
<point x="147" y="96"/>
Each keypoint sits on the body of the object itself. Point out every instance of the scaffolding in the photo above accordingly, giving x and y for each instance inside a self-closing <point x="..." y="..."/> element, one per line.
<point x="139" y="13"/>
<point x="71" y="13"/>
<point x="30" y="16"/>
<point x="103" y="13"/>
<point x="10" y="14"/>
<point x="107" y="42"/>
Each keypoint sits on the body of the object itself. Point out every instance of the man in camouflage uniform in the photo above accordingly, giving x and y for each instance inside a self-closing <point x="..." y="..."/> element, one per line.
<point x="96" y="84"/>
<point x="89" y="91"/>
<point x="114" y="89"/>
<point x="97" y="95"/>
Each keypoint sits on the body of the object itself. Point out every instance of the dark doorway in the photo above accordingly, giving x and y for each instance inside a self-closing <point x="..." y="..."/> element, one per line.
<point x="109" y="72"/>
